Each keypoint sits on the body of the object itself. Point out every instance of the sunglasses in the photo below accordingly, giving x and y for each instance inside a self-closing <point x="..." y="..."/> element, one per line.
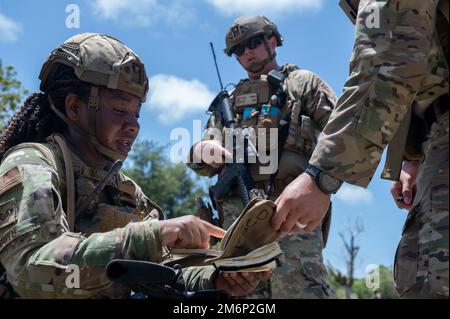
<point x="252" y="43"/>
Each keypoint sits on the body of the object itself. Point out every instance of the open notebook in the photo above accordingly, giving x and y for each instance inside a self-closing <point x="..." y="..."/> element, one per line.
<point x="249" y="244"/>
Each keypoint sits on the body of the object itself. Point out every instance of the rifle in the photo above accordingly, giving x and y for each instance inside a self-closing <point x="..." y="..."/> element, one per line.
<point x="150" y="280"/>
<point x="232" y="172"/>
<point x="206" y="212"/>
<point x="82" y="208"/>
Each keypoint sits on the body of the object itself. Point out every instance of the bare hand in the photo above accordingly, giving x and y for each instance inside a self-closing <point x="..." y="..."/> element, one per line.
<point x="188" y="232"/>
<point x="240" y="283"/>
<point x="404" y="190"/>
<point x="301" y="204"/>
<point x="211" y="152"/>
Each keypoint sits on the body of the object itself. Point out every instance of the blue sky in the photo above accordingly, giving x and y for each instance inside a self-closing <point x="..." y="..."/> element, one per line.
<point x="172" y="37"/>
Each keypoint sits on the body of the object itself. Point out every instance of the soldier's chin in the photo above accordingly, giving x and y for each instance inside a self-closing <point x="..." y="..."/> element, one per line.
<point x="123" y="152"/>
<point x="254" y="67"/>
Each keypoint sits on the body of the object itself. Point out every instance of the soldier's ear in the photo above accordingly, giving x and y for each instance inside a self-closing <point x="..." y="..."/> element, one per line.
<point x="273" y="42"/>
<point x="73" y="107"/>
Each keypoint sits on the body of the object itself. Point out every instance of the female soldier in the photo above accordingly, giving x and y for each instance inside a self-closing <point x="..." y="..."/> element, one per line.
<point x="55" y="150"/>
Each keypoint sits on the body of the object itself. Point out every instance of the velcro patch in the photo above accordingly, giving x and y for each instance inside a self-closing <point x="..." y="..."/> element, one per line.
<point x="246" y="99"/>
<point x="10" y="179"/>
<point x="17" y="231"/>
<point x="8" y="212"/>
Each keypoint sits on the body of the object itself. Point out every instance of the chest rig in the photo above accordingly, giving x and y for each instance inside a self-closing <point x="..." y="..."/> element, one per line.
<point x="259" y="105"/>
<point x="120" y="202"/>
<point x="264" y="104"/>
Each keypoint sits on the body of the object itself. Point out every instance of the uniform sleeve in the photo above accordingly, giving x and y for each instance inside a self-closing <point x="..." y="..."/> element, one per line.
<point x="316" y="97"/>
<point x="199" y="278"/>
<point x="41" y="257"/>
<point x="213" y="131"/>
<point x="388" y="64"/>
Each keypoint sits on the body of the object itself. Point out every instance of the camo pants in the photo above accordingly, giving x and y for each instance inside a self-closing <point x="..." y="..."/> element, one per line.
<point x="421" y="262"/>
<point x="302" y="274"/>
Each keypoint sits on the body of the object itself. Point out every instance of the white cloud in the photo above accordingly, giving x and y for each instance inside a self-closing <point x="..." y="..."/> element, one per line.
<point x="350" y="194"/>
<point x="9" y="29"/>
<point x="272" y="7"/>
<point x="144" y="12"/>
<point x="174" y="97"/>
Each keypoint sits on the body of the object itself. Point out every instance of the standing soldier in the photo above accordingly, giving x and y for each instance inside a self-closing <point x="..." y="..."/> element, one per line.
<point x="306" y="101"/>
<point x="397" y="94"/>
<point x="54" y="152"/>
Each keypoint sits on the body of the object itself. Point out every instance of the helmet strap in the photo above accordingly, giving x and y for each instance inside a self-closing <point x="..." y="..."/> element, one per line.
<point x="93" y="106"/>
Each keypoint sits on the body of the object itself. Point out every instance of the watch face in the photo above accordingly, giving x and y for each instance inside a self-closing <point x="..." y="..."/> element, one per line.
<point x="329" y="183"/>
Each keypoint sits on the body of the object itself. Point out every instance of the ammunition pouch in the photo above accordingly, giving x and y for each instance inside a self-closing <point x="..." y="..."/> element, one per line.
<point x="254" y="109"/>
<point x="302" y="136"/>
<point x="112" y="217"/>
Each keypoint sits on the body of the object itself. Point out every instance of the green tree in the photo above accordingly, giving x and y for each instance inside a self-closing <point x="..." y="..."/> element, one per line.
<point x="336" y="281"/>
<point x="349" y="235"/>
<point x="386" y="290"/>
<point x="387" y="285"/>
<point x="359" y="288"/>
<point x="11" y="92"/>
<point x="170" y="185"/>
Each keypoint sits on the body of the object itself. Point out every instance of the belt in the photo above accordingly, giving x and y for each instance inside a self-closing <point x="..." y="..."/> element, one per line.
<point x="436" y="110"/>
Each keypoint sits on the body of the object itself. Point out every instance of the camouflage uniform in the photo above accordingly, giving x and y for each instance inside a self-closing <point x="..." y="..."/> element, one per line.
<point x="36" y="246"/>
<point x="399" y="67"/>
<point x="309" y="103"/>
<point x="41" y="184"/>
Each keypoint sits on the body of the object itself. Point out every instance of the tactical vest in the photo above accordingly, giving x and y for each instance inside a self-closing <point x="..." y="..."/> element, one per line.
<point x="254" y="107"/>
<point x="76" y="181"/>
<point x="126" y="201"/>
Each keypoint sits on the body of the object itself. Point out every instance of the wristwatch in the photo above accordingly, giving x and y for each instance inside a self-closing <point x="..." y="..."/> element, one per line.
<point x="326" y="183"/>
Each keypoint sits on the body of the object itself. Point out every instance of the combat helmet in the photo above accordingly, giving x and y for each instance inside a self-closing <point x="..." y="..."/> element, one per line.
<point x="246" y="27"/>
<point x="99" y="60"/>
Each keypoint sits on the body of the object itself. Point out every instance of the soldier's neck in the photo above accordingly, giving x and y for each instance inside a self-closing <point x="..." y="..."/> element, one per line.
<point x="272" y="65"/>
<point x="85" y="151"/>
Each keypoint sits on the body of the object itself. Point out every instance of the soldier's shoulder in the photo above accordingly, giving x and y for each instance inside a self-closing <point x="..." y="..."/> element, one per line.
<point x="307" y="81"/>
<point x="29" y="153"/>
<point x="301" y="81"/>
<point x="303" y="74"/>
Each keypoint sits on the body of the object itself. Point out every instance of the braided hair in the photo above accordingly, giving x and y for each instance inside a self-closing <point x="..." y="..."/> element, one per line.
<point x="35" y="120"/>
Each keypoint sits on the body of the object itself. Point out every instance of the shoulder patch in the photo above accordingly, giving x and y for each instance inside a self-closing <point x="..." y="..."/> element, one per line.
<point x="17" y="231"/>
<point x="8" y="212"/>
<point x="10" y="179"/>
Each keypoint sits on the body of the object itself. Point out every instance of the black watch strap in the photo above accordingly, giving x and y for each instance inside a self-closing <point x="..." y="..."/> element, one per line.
<point x="332" y="184"/>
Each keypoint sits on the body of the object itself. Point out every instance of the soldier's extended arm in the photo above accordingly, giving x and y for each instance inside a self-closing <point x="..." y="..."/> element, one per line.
<point x="388" y="66"/>
<point x="199" y="278"/>
<point x="36" y="248"/>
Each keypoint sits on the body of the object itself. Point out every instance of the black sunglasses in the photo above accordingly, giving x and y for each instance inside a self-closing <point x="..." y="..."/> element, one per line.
<point x="252" y="43"/>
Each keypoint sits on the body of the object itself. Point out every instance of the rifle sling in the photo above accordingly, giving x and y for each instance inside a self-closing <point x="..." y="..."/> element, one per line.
<point x="282" y="138"/>
<point x="70" y="180"/>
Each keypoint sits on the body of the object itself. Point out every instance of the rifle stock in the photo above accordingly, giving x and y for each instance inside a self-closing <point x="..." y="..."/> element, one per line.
<point x="155" y="281"/>
<point x="232" y="172"/>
